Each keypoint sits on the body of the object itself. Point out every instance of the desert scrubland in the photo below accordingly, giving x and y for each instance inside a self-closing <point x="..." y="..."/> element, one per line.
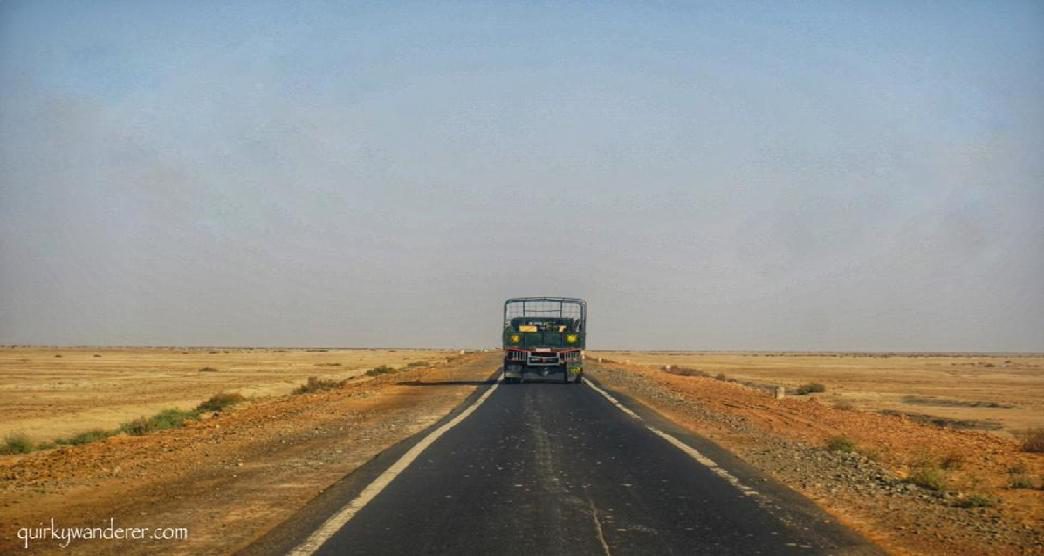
<point x="922" y="454"/>
<point x="226" y="476"/>
<point x="48" y="392"/>
<point x="997" y="392"/>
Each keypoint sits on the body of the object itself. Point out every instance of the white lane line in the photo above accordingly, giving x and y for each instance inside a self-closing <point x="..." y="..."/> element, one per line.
<point x="335" y="522"/>
<point x="689" y="450"/>
<point x="613" y="400"/>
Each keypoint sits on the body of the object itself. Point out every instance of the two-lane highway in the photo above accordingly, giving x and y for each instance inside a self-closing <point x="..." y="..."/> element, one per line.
<point x="558" y="469"/>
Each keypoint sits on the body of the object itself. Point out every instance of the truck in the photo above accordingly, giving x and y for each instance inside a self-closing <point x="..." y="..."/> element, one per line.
<point x="544" y="337"/>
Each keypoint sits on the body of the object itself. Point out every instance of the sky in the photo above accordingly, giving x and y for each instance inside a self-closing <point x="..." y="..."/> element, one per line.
<point x="709" y="176"/>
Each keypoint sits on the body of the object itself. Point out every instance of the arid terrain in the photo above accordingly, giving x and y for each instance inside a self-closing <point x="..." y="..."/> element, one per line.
<point x="912" y="485"/>
<point x="919" y="454"/>
<point x="230" y="476"/>
<point x="48" y="393"/>
<point x="1003" y="393"/>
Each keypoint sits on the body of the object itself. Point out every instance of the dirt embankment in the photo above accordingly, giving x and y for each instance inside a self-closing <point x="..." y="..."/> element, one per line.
<point x="230" y="477"/>
<point x="867" y="484"/>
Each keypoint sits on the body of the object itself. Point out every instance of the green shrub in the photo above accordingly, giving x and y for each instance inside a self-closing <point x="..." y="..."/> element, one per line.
<point x="1020" y="480"/>
<point x="378" y="371"/>
<point x="85" y="437"/>
<point x="840" y="444"/>
<point x="221" y="400"/>
<point x="172" y="418"/>
<point x="166" y="419"/>
<point x="975" y="501"/>
<point x="16" y="443"/>
<point x="316" y="384"/>
<point x="929" y="477"/>
<point x="811" y="388"/>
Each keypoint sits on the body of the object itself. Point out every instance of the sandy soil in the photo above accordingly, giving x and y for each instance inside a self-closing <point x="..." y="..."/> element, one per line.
<point x="865" y="488"/>
<point x="231" y="477"/>
<point x="46" y="396"/>
<point x="1004" y="393"/>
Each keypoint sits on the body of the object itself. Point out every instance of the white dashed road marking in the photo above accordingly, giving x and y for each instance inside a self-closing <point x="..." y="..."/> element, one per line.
<point x="689" y="450"/>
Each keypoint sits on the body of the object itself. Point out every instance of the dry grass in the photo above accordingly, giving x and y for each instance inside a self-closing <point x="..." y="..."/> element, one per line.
<point x="840" y="444"/>
<point x="811" y="388"/>
<point x="52" y="398"/>
<point x="16" y="443"/>
<point x="975" y="501"/>
<point x="221" y="401"/>
<point x="378" y="371"/>
<point x="1033" y="440"/>
<point x="316" y="384"/>
<point x="928" y="476"/>
<point x="1002" y="393"/>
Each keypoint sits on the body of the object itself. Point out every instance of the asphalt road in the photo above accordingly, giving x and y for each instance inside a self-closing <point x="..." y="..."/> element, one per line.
<point x="557" y="469"/>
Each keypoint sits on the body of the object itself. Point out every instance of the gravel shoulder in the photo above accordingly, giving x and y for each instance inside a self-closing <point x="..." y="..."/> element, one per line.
<point x="230" y="477"/>
<point x="867" y="487"/>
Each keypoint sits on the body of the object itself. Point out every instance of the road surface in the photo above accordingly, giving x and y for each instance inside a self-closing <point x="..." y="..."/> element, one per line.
<point x="559" y="469"/>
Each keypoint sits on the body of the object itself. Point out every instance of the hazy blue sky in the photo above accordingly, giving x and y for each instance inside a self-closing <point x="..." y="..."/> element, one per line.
<point x="808" y="175"/>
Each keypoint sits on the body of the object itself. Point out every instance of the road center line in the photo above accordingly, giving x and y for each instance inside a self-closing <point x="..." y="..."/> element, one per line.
<point x="689" y="450"/>
<point x="335" y="522"/>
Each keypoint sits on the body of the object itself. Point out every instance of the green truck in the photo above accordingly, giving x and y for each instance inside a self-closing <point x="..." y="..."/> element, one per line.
<point x="544" y="337"/>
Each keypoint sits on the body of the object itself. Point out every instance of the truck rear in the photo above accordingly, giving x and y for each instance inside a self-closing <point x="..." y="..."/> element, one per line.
<point x="544" y="337"/>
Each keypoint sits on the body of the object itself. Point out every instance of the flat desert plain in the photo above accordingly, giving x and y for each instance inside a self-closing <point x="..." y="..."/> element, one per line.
<point x="47" y="393"/>
<point x="997" y="392"/>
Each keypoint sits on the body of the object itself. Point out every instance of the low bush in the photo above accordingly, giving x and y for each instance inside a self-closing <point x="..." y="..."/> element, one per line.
<point x="316" y="384"/>
<point x="811" y="388"/>
<point x="952" y="461"/>
<point x="16" y="443"/>
<point x="929" y="477"/>
<point x="208" y="370"/>
<point x="221" y="400"/>
<point x="417" y="364"/>
<point x="85" y="437"/>
<point x="683" y="371"/>
<point x="1020" y="480"/>
<point x="166" y="419"/>
<point x="1033" y="440"/>
<point x="721" y="377"/>
<point x="840" y="444"/>
<point x="975" y="501"/>
<point x="378" y="371"/>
